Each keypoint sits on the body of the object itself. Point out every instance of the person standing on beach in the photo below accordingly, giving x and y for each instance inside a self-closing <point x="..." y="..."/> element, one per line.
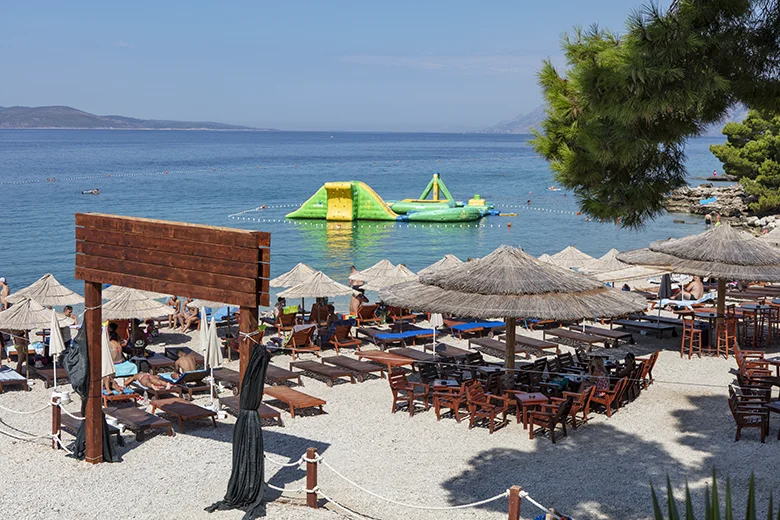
<point x="707" y="220"/>
<point x="717" y="219"/>
<point x="4" y="292"/>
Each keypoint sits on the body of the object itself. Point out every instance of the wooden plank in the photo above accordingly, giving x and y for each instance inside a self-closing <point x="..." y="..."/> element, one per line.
<point x="169" y="245"/>
<point x="172" y="260"/>
<point x="158" y="272"/>
<point x="248" y="339"/>
<point x="93" y="299"/>
<point x="164" y="286"/>
<point x="174" y="230"/>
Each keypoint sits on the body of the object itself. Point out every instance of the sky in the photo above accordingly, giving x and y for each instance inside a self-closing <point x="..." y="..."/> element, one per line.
<point x="397" y="65"/>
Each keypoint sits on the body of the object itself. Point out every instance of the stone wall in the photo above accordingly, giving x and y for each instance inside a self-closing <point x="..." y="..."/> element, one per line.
<point x="731" y="201"/>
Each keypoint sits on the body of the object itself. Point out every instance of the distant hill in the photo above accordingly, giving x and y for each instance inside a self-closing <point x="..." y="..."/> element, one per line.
<point x="523" y="123"/>
<point x="67" y="117"/>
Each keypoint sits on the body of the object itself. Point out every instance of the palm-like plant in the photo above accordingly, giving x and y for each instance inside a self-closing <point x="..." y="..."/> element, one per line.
<point x="712" y="509"/>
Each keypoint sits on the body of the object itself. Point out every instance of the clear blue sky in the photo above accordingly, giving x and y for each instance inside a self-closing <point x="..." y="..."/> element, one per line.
<point x="325" y="65"/>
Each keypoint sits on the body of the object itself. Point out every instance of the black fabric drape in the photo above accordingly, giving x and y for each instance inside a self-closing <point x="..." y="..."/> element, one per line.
<point x="247" y="483"/>
<point x="75" y="359"/>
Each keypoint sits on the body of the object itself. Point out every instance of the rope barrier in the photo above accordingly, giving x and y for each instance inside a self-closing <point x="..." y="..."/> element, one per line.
<point x="286" y="465"/>
<point x="525" y="495"/>
<point x="18" y="412"/>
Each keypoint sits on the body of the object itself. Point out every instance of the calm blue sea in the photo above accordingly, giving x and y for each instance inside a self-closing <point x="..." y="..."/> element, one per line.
<point x="212" y="175"/>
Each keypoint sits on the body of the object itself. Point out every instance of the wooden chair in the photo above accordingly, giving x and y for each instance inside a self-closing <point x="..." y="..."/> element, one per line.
<point x="580" y="404"/>
<point x="429" y="372"/>
<point x="405" y="392"/>
<point x="748" y="415"/>
<point x="610" y="398"/>
<point x="398" y="314"/>
<point x="366" y="315"/>
<point x="691" y="337"/>
<point x="449" y="398"/>
<point x="301" y="341"/>
<point x="342" y="337"/>
<point x="484" y="406"/>
<point x="286" y="322"/>
<point x="727" y="336"/>
<point x="550" y="416"/>
<point x="647" y="373"/>
<point x="565" y="360"/>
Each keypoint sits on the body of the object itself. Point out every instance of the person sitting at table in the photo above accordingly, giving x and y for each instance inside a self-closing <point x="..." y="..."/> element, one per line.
<point x="175" y="304"/>
<point x="185" y="363"/>
<point x="694" y="290"/>
<point x="598" y="375"/>
<point x="628" y="367"/>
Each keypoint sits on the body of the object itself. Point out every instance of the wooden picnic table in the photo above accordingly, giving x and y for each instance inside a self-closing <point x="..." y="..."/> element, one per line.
<point x="361" y="367"/>
<point x="579" y="337"/>
<point x="385" y="358"/>
<point x="183" y="410"/>
<point x="525" y="401"/>
<point x="294" y="399"/>
<point x="233" y="403"/>
<point x="446" y="350"/>
<point x="47" y="374"/>
<point x="535" y="345"/>
<point x="321" y="369"/>
<point x="648" y="326"/>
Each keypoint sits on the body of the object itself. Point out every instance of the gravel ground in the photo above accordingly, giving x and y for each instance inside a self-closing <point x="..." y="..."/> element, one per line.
<point x="680" y="426"/>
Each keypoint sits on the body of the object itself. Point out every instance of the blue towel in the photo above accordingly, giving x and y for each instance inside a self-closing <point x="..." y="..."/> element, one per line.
<point x="169" y="376"/>
<point x="126" y="391"/>
<point x="125" y="369"/>
<point x="477" y="324"/>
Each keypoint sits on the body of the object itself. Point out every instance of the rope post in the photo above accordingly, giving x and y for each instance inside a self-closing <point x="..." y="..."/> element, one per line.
<point x="56" y="415"/>
<point x="311" y="477"/>
<point x="514" y="502"/>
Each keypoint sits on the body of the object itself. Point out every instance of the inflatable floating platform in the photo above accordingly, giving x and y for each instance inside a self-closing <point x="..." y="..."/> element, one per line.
<point x="355" y="200"/>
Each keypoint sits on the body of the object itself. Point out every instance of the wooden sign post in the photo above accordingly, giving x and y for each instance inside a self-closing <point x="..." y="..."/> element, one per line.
<point x="206" y="262"/>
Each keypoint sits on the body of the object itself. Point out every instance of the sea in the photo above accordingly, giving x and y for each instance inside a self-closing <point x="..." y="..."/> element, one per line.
<point x="251" y="180"/>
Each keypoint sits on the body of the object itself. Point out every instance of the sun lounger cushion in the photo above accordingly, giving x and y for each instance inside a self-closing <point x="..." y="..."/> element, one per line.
<point x="478" y="324"/>
<point x="125" y="369"/>
<point x="688" y="303"/>
<point x="8" y="374"/>
<point x="126" y="391"/>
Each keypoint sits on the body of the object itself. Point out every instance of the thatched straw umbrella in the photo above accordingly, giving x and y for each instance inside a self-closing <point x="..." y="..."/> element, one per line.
<point x="298" y="274"/>
<point x="629" y="273"/>
<point x="723" y="252"/>
<point x="378" y="269"/>
<point x="27" y="314"/>
<point x="608" y="262"/>
<point x="132" y="303"/>
<point x="546" y="259"/>
<point x="571" y="258"/>
<point x="511" y="284"/>
<point x="445" y="263"/>
<point x="112" y="292"/>
<point x="396" y="275"/>
<point x="318" y="286"/>
<point x="47" y="291"/>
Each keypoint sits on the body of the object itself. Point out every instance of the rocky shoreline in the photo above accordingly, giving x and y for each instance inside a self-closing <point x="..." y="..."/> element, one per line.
<point x="731" y="203"/>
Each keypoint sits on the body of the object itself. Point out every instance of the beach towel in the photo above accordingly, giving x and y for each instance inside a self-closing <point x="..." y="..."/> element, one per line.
<point x="169" y="376"/>
<point x="126" y="391"/>
<point x="125" y="369"/>
<point x="687" y="303"/>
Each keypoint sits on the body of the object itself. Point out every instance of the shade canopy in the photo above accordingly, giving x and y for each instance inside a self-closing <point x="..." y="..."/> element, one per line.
<point x="132" y="303"/>
<point x="48" y="292"/>
<point x="297" y="275"/>
<point x="319" y="285"/>
<point x="112" y="292"/>
<point x="447" y="262"/>
<point x="27" y="314"/>
<point x="630" y="273"/>
<point x="380" y="268"/>
<point x="606" y="263"/>
<point x="722" y="252"/>
<point x="571" y="258"/>
<point x="396" y="275"/>
<point x="546" y="258"/>
<point x="510" y="283"/>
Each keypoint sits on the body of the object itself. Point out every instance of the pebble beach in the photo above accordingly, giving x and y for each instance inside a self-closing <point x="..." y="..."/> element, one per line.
<point x="681" y="427"/>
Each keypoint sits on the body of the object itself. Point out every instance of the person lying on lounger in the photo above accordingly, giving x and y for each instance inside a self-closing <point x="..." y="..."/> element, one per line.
<point x="110" y="384"/>
<point x="149" y="380"/>
<point x="185" y="363"/>
<point x="694" y="290"/>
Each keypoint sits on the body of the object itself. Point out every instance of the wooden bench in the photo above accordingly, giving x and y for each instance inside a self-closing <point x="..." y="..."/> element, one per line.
<point x="138" y="420"/>
<point x="294" y="399"/>
<point x="497" y="348"/>
<point x="381" y="338"/>
<point x="278" y="375"/>
<point x="183" y="410"/>
<point x="361" y="367"/>
<point x="157" y="362"/>
<point x="10" y="377"/>
<point x="647" y="326"/>
<point x="677" y="322"/>
<point x="331" y="373"/>
<point x="614" y="335"/>
<point x="385" y="358"/>
<point x="417" y="355"/>
<point x="446" y="350"/>
<point x="233" y="403"/>
<point x="537" y="346"/>
<point x="47" y="374"/>
<point x="578" y="337"/>
<point x="71" y="425"/>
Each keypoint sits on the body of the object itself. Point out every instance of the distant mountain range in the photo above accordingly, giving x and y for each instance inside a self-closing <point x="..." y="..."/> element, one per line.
<point x="71" y="118"/>
<point x="523" y="123"/>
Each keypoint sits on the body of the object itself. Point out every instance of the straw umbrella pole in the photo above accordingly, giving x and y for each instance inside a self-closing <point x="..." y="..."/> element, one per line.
<point x="723" y="253"/>
<point x="511" y="284"/>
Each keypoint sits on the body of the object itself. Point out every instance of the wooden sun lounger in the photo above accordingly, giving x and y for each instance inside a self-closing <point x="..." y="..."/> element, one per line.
<point x="615" y="335"/>
<point x="385" y="358"/>
<point x="138" y="420"/>
<point x="173" y="353"/>
<point x="294" y="399"/>
<point x="445" y="350"/>
<point x="47" y="374"/>
<point x="156" y="394"/>
<point x="229" y="378"/>
<point x="534" y="344"/>
<point x="647" y="326"/>
<point x="266" y="412"/>
<point x="361" y="367"/>
<point x="10" y="377"/>
<point x="183" y="410"/>
<point x="417" y="355"/>
<point x="677" y="322"/>
<point x="279" y="375"/>
<point x="388" y="337"/>
<point x="71" y="425"/>
<point x="579" y="337"/>
<point x="327" y="371"/>
<point x="498" y="348"/>
<point x="157" y="362"/>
